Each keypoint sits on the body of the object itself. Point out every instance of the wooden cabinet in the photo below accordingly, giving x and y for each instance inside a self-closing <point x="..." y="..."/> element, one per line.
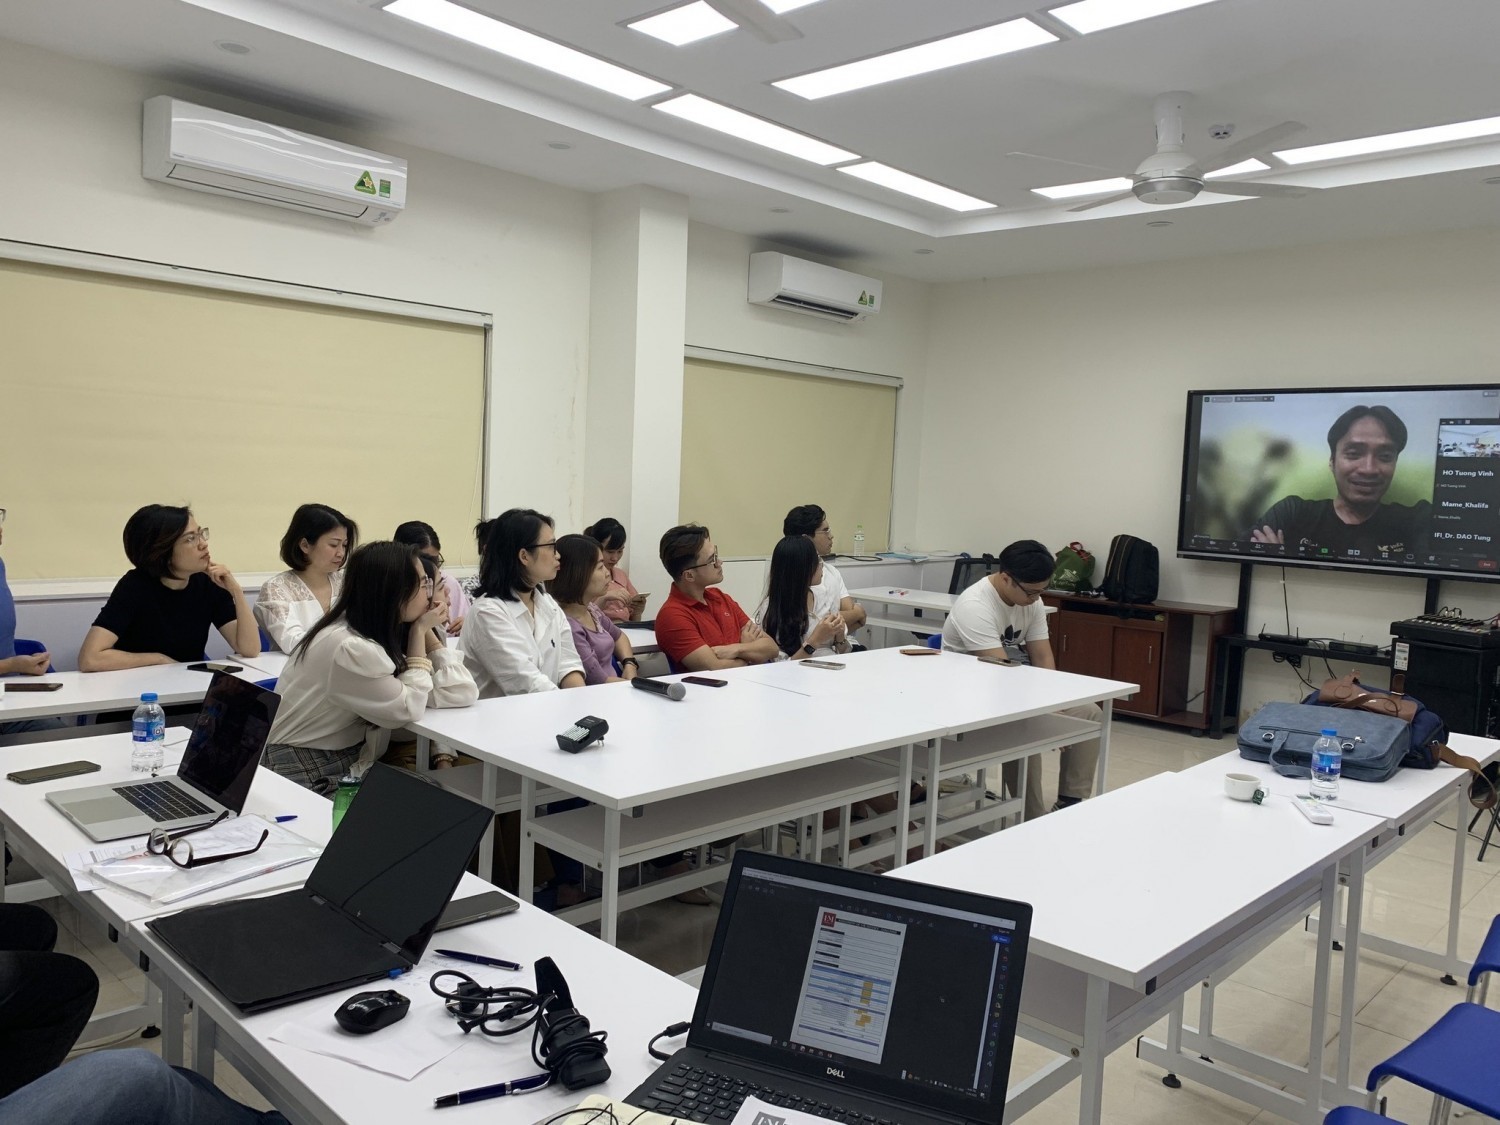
<point x="1149" y="645"/>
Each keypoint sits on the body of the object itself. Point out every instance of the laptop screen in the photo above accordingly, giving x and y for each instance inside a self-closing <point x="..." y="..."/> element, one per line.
<point x="228" y="739"/>
<point x="893" y="988"/>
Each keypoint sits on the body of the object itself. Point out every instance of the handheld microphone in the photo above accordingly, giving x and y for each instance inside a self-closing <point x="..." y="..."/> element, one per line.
<point x="659" y="687"/>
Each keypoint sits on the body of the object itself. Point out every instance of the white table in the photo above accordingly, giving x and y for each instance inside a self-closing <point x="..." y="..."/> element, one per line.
<point x="914" y="603"/>
<point x="768" y="722"/>
<point x="42" y="836"/>
<point x="89" y="693"/>
<point x="642" y="637"/>
<point x="626" y="997"/>
<point x="1139" y="895"/>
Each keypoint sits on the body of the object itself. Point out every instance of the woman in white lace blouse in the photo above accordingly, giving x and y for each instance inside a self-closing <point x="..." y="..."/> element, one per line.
<point x="315" y="546"/>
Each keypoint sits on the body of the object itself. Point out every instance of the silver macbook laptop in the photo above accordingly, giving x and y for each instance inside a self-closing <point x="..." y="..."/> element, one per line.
<point x="857" y="998"/>
<point x="216" y="771"/>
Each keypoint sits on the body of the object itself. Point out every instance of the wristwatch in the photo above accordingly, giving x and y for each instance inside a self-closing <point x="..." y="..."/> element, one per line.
<point x="630" y="660"/>
<point x="808" y="649"/>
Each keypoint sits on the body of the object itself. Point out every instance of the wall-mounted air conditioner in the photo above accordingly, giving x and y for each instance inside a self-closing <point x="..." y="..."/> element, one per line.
<point x="806" y="287"/>
<point x="206" y="150"/>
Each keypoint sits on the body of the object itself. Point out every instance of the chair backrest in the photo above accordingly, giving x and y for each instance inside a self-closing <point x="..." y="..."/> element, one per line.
<point x="31" y="648"/>
<point x="935" y="641"/>
<point x="269" y="685"/>
<point x="967" y="571"/>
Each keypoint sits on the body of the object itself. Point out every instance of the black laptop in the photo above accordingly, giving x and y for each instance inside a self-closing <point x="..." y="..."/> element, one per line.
<point x="367" y="910"/>
<point x="853" y="997"/>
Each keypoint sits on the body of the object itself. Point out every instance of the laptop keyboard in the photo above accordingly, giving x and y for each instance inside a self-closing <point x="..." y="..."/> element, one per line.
<point x="691" y="1093"/>
<point x="162" y="802"/>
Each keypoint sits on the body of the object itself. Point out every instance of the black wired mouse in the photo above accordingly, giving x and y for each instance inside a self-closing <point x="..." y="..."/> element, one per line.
<point x="365" y="1012"/>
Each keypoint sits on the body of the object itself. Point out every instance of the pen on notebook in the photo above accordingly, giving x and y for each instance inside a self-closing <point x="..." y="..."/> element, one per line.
<point x="480" y="959"/>
<point x="499" y="1090"/>
<point x="285" y="819"/>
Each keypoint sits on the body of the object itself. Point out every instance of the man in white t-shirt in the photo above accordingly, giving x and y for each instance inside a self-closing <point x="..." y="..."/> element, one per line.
<point x="1002" y="615"/>
<point x="830" y="595"/>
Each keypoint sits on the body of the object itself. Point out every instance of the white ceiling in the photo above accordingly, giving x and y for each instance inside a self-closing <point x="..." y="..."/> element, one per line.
<point x="1345" y="68"/>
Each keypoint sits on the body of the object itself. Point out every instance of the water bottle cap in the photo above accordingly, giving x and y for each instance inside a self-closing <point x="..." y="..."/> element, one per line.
<point x="1329" y="732"/>
<point x="148" y="697"/>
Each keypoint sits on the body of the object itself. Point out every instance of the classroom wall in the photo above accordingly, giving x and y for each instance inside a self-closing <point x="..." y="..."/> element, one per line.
<point x="1062" y="396"/>
<point x="473" y="237"/>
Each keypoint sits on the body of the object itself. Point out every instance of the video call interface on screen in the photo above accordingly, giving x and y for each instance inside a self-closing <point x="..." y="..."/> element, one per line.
<point x="1405" y="477"/>
<point x="877" y="984"/>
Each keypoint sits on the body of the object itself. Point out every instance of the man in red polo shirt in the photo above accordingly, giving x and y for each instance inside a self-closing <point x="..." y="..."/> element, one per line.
<point x="700" y="628"/>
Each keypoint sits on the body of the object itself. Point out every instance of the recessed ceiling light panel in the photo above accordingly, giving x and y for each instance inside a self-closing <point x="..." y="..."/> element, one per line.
<point x="1392" y="142"/>
<point x="1096" y="15"/>
<point x="1083" y="188"/>
<point x="684" y="25"/>
<point x="523" y="46"/>
<point x="780" y="6"/>
<point x="756" y="130"/>
<point x="915" y="186"/>
<point x="971" y="46"/>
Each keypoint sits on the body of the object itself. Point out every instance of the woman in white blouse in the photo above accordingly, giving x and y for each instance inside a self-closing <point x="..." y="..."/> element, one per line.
<point x="314" y="548"/>
<point x="377" y="660"/>
<point x="516" y="639"/>
<point x="787" y="613"/>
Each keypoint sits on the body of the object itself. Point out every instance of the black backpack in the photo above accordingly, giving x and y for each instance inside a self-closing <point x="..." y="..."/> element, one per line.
<point x="1133" y="572"/>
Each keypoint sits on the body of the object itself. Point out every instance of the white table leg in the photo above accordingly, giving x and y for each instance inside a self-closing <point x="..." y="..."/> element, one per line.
<point x="424" y="753"/>
<point x="903" y="805"/>
<point x="1353" y="920"/>
<point x="173" y="1013"/>
<point x="1327" y="907"/>
<point x="527" y="877"/>
<point x="489" y="789"/>
<point x="611" y="903"/>
<point x="203" y="1042"/>
<point x="1456" y="889"/>
<point x="1091" y="1058"/>
<point x="1101" y="771"/>
<point x="846" y="833"/>
<point x="934" y="786"/>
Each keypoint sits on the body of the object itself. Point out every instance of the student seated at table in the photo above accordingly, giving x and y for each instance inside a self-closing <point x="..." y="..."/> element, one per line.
<point x="698" y="627"/>
<point x="421" y="535"/>
<point x="789" y="613"/>
<point x="518" y="640"/>
<point x="377" y="660"/>
<point x="582" y="577"/>
<point x="11" y="664"/>
<point x="160" y="612"/>
<point x="1002" y="615"/>
<point x="46" y="998"/>
<point x="830" y="595"/>
<point x="620" y="602"/>
<point x="314" y="548"/>
<point x="127" y="1087"/>
<point x="481" y="533"/>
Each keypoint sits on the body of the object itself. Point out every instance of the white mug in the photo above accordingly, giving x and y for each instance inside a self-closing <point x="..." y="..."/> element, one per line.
<point x="1245" y="787"/>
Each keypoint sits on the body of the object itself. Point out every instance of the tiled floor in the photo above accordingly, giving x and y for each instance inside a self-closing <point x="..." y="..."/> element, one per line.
<point x="1264" y="1006"/>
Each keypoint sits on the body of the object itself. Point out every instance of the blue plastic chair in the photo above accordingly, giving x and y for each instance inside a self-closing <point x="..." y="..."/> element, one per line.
<point x="1486" y="963"/>
<point x="1454" y="1059"/>
<point x="934" y="641"/>
<point x="1353" y="1115"/>
<point x="31" y="648"/>
<point x="265" y="641"/>
<point x="269" y="685"/>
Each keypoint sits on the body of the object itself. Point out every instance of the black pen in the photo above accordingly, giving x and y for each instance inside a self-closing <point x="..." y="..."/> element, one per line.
<point x="499" y="1090"/>
<point x="480" y="959"/>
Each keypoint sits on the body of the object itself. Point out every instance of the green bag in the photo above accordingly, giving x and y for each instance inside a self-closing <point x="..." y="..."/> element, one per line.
<point x="1074" y="571"/>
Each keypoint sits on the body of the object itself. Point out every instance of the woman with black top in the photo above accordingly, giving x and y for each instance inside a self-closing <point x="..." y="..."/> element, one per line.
<point x="160" y="612"/>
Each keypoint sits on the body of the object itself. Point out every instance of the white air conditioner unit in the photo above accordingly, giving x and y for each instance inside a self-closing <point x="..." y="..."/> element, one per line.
<point x="801" y="286"/>
<point x="206" y="150"/>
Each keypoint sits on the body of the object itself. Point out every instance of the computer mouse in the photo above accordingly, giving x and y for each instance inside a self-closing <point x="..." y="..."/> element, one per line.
<point x="365" y="1012"/>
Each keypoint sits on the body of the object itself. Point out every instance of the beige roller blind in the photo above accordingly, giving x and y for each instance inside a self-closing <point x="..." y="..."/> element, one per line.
<point x="117" y="392"/>
<point x="818" y="440"/>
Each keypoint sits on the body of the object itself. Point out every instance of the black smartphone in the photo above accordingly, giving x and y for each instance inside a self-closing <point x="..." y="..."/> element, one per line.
<point x="214" y="666"/>
<point x="34" y="685"/>
<point x="1004" y="661"/>
<point x="462" y="911"/>
<point x="704" y="681"/>
<point x="52" y="773"/>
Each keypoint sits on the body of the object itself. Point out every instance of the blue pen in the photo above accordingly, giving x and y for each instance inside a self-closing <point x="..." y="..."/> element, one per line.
<point x="285" y="819"/>
<point x="479" y="959"/>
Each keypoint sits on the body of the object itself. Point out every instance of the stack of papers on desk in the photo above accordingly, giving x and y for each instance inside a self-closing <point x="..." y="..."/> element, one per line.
<point x="157" y="878"/>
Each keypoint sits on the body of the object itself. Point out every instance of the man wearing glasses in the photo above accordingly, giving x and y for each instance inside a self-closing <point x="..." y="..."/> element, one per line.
<point x="700" y="628"/>
<point x="1002" y="615"/>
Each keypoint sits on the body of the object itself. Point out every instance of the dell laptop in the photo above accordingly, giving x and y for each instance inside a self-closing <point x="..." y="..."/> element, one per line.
<point x="851" y="996"/>
<point x="217" y="768"/>
<point x="366" y="913"/>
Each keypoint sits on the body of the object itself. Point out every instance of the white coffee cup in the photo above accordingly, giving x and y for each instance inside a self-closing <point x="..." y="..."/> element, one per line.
<point x="1245" y="787"/>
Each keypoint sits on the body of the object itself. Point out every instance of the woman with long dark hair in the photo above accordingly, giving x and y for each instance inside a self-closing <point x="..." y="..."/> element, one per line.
<point x="160" y="612"/>
<point x="377" y="659"/>
<point x="581" y="579"/>
<point x="620" y="602"/>
<point x="314" y="548"/>
<point x="424" y="537"/>
<point x="787" y="613"/>
<point x="517" y="638"/>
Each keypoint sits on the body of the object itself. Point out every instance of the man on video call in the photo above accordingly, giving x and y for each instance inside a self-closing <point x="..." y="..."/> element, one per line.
<point x="1364" y="445"/>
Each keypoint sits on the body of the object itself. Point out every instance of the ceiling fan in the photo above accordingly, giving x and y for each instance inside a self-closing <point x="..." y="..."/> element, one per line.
<point x="1171" y="175"/>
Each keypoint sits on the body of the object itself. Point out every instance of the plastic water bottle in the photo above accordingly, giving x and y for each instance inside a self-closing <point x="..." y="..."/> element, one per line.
<point x="148" y="734"/>
<point x="1327" y="764"/>
<point x="859" y="539"/>
<point x="344" y="796"/>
